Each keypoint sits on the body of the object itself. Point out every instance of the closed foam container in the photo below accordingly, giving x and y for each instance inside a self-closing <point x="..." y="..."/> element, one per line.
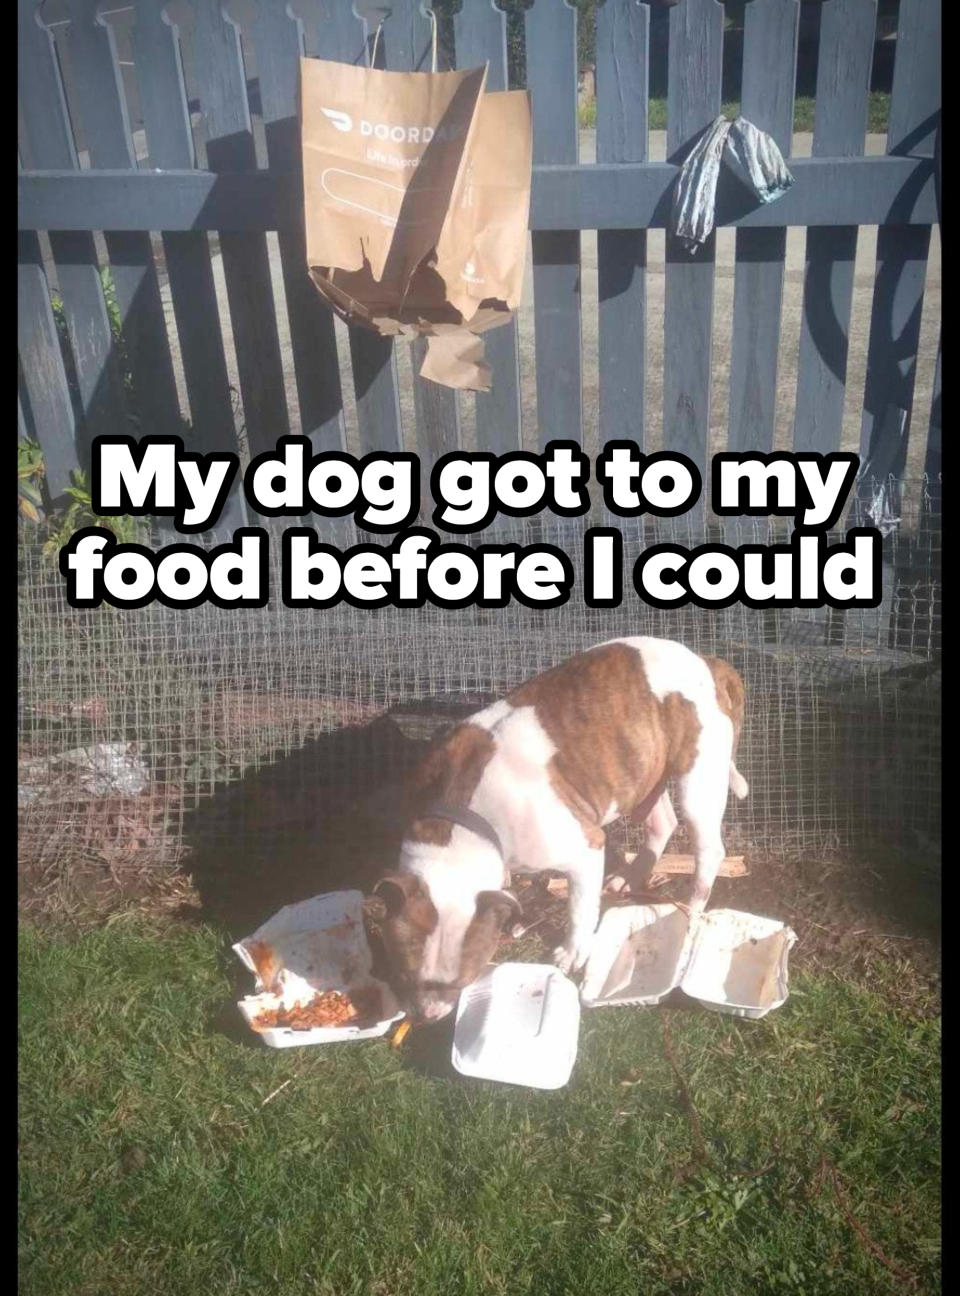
<point x="729" y="961"/>
<point x="323" y="942"/>
<point x="518" y="1023"/>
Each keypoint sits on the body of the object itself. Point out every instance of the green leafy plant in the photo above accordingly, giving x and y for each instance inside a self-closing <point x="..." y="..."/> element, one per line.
<point x="111" y="303"/>
<point x="57" y="523"/>
<point x="30" y="470"/>
<point x="79" y="512"/>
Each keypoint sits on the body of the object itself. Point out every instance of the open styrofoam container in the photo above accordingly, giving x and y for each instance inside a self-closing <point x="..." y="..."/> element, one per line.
<point x="729" y="961"/>
<point x="518" y="1023"/>
<point x="320" y="942"/>
<point x="638" y="955"/>
<point x="738" y="963"/>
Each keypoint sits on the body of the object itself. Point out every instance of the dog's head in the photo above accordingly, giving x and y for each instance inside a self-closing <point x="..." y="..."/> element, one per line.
<point x="436" y="949"/>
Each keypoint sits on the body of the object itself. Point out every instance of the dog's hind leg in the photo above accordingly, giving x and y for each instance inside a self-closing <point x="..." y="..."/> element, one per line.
<point x="659" y="822"/>
<point x="703" y="800"/>
<point x="659" y="826"/>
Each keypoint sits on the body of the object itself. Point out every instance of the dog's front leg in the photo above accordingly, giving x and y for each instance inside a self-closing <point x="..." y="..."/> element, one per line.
<point x="585" y="880"/>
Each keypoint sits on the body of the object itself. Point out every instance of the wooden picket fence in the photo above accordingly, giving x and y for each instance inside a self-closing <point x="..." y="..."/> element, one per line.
<point x="191" y="183"/>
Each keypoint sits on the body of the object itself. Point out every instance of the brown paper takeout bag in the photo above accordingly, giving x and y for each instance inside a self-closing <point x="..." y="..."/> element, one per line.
<point x="416" y="203"/>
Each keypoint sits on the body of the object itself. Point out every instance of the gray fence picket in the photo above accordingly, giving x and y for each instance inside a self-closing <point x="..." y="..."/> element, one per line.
<point x="101" y="110"/>
<point x="551" y="36"/>
<point x="408" y="47"/>
<point x="215" y="41"/>
<point x="43" y="374"/>
<point x="48" y="144"/>
<point x="480" y="34"/>
<point x="769" y="68"/>
<point x="278" y="42"/>
<point x="901" y="250"/>
<point x="843" y="76"/>
<point x="193" y="295"/>
<point x="407" y="35"/>
<point x="933" y="500"/>
<point x="23" y="432"/>
<point x="435" y="434"/>
<point x="623" y="49"/>
<point x="932" y="463"/>
<point x="342" y="36"/>
<point x="693" y="101"/>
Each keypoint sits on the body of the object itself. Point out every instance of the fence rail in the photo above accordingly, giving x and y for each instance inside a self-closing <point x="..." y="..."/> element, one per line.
<point x="603" y="197"/>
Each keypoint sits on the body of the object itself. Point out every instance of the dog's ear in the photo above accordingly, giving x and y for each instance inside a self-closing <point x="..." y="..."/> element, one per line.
<point x="503" y="904"/>
<point x="391" y="894"/>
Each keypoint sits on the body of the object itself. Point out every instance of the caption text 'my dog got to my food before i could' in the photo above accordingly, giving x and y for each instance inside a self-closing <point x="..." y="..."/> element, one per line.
<point x="157" y="477"/>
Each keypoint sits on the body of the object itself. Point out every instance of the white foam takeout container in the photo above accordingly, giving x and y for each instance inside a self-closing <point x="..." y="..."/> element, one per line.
<point x="729" y="961"/>
<point x="518" y="1023"/>
<point x="321" y="941"/>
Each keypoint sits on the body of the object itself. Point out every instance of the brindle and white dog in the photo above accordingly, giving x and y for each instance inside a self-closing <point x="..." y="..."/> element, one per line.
<point x="530" y="782"/>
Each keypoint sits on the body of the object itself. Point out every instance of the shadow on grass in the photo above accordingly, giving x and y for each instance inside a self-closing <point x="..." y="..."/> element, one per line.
<point x="225" y="1021"/>
<point x="327" y="817"/>
<point x="427" y="1050"/>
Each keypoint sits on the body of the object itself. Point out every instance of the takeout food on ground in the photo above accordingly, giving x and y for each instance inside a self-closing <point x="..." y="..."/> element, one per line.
<point x="518" y="1022"/>
<point x="324" y="1008"/>
<point x="314" y="979"/>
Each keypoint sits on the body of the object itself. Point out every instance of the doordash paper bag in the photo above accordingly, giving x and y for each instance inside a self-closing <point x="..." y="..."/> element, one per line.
<point x="416" y="193"/>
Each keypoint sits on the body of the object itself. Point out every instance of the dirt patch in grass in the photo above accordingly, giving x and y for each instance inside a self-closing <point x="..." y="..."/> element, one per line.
<point x="86" y="890"/>
<point x="864" y="919"/>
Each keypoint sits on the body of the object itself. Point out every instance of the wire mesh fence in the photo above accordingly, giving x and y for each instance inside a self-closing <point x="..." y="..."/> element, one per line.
<point x="135" y="725"/>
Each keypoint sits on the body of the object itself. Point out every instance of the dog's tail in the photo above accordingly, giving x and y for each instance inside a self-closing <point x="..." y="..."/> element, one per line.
<point x="738" y="784"/>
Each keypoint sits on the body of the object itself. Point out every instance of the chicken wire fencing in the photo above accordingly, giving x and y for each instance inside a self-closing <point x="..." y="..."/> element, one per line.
<point x="136" y="726"/>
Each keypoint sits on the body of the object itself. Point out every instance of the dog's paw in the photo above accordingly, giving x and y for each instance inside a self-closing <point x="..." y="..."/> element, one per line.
<point x="563" y="958"/>
<point x="570" y="959"/>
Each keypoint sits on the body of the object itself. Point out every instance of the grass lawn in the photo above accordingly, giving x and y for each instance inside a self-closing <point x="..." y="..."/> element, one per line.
<point x="152" y="1162"/>
<point x="878" y="110"/>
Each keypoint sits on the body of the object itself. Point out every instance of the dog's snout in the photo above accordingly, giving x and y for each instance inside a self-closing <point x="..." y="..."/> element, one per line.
<point x="436" y="1010"/>
<point x="434" y="1005"/>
